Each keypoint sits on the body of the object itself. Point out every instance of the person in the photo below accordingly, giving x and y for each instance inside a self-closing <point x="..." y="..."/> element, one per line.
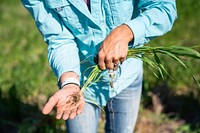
<point x="76" y="31"/>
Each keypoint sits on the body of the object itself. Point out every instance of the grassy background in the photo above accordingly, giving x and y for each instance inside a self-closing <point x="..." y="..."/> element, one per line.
<point x="26" y="80"/>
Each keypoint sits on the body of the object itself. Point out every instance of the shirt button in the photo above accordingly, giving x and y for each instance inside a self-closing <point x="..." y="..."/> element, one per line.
<point x="59" y="9"/>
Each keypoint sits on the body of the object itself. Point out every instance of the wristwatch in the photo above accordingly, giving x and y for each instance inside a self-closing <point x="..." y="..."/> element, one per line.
<point x="70" y="81"/>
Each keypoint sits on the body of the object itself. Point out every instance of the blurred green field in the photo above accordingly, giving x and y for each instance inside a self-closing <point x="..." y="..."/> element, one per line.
<point x="26" y="80"/>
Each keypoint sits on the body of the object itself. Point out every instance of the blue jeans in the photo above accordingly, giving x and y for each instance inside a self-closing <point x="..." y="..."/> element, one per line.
<point x="121" y="114"/>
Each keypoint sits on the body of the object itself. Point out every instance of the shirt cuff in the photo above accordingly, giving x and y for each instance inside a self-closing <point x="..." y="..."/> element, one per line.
<point x="138" y="28"/>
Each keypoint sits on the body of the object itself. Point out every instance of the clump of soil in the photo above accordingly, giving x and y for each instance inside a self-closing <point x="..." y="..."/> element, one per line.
<point x="73" y="99"/>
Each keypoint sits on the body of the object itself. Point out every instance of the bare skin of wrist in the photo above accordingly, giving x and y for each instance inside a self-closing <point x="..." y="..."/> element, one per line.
<point x="67" y="75"/>
<point x="115" y="47"/>
<point x="128" y="32"/>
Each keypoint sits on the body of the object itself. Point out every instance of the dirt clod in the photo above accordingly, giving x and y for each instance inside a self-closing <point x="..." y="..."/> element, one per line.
<point x="73" y="99"/>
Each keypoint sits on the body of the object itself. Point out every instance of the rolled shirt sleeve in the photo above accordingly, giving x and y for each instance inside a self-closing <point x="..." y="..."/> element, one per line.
<point x="62" y="48"/>
<point x="155" y="18"/>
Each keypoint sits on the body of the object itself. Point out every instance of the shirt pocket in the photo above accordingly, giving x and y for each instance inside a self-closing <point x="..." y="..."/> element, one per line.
<point x="122" y="11"/>
<point x="71" y="18"/>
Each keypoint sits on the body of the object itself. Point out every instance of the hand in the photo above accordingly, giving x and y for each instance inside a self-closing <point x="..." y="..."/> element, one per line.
<point x="63" y="100"/>
<point x="115" y="47"/>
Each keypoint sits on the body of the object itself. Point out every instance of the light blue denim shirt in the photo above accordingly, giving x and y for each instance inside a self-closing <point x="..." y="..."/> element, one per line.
<point x="74" y="34"/>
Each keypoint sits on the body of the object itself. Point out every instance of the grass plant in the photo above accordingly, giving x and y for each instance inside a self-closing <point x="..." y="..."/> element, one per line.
<point x="143" y="53"/>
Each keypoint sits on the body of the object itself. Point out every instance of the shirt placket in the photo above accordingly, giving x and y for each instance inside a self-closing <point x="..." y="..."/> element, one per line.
<point x="96" y="12"/>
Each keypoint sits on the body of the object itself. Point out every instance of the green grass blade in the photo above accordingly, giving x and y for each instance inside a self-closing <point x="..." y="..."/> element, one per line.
<point x="180" y="62"/>
<point x="150" y="64"/>
<point x="184" y="51"/>
<point x="159" y="63"/>
<point x="173" y="56"/>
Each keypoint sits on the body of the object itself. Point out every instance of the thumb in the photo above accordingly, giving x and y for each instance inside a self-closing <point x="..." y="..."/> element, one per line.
<point x="50" y="104"/>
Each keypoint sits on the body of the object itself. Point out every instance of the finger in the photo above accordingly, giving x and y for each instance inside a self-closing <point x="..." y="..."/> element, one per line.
<point x="123" y="57"/>
<point x="80" y="106"/>
<point x="59" y="114"/>
<point x="116" y="58"/>
<point x="115" y="67"/>
<point x="80" y="109"/>
<point x="73" y="113"/>
<point x="115" y="61"/>
<point x="122" y="60"/>
<point x="66" y="115"/>
<point x="109" y="64"/>
<point x="50" y="104"/>
<point x="101" y="62"/>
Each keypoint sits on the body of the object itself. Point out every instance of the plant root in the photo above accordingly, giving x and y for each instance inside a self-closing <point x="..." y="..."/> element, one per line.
<point x="73" y="99"/>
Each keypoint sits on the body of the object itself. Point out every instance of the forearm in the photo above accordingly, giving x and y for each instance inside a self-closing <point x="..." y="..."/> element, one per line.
<point x="64" y="59"/>
<point x="62" y="49"/>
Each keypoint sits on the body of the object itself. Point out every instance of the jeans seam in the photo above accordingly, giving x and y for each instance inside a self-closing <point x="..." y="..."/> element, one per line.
<point x="112" y="126"/>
